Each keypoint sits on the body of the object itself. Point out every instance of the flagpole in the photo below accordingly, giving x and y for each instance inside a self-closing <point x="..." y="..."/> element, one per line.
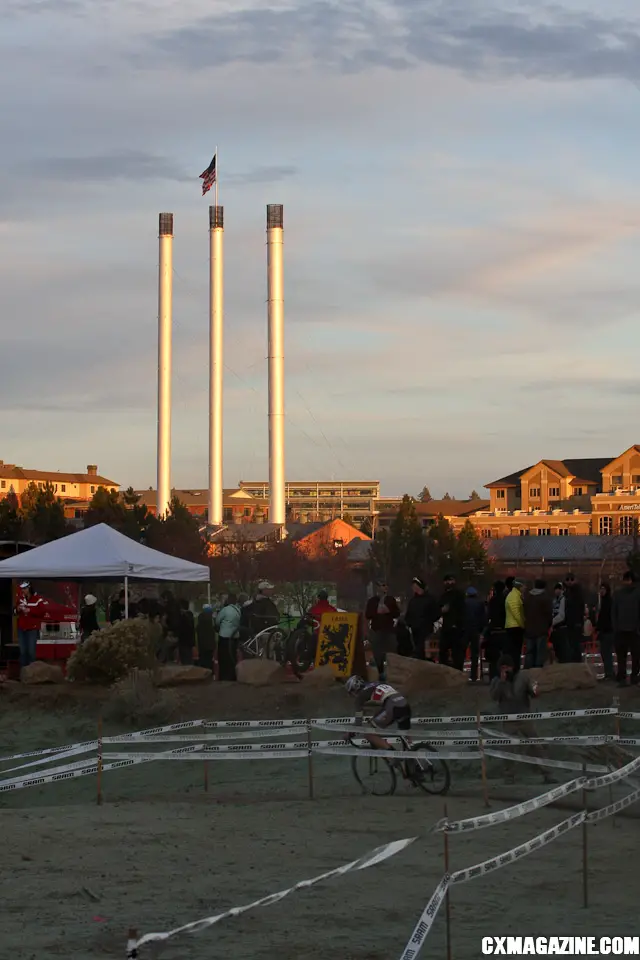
<point x="216" y="174"/>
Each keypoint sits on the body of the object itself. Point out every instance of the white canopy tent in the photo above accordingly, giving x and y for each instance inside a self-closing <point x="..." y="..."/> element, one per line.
<point x="101" y="553"/>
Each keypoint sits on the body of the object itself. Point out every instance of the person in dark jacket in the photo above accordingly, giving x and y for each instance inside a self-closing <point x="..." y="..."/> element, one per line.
<point x="538" y="614"/>
<point x="186" y="633"/>
<point x="475" y="618"/>
<point x="116" y="608"/>
<point x="494" y="634"/>
<point x="452" y="645"/>
<point x="381" y="612"/>
<point x="625" y="618"/>
<point x="422" y="612"/>
<point x="89" y="616"/>
<point x="573" y="617"/>
<point x="206" y="633"/>
<point x="604" y="627"/>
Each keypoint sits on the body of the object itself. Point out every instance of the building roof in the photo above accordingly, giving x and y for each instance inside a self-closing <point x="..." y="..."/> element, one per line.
<point x="245" y="533"/>
<point x="312" y="483"/>
<point x="199" y="497"/>
<point x="588" y="469"/>
<point x="437" y="508"/>
<point x="511" y="480"/>
<point x="9" y="471"/>
<point x="554" y="548"/>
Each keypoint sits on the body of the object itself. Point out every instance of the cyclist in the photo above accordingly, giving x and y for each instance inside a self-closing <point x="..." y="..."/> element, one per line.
<point x="390" y="707"/>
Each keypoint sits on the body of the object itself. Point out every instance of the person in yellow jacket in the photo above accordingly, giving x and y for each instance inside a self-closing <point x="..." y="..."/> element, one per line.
<point x="514" y="623"/>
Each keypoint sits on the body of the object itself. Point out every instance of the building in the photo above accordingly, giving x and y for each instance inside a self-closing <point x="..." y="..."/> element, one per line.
<point x="315" y="500"/>
<point x="317" y="540"/>
<point x="67" y="486"/>
<point x="239" y="506"/>
<point x="428" y="511"/>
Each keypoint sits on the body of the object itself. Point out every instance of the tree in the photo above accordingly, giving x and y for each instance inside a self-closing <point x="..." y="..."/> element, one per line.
<point x="474" y="495"/>
<point x="106" y="507"/>
<point x="10" y="519"/>
<point x="447" y="496"/>
<point x="348" y="518"/>
<point x="366" y="527"/>
<point x="425" y="496"/>
<point x="441" y="546"/>
<point x="399" y="552"/>
<point x="130" y="497"/>
<point x="470" y="546"/>
<point x="42" y="513"/>
<point x="177" y="533"/>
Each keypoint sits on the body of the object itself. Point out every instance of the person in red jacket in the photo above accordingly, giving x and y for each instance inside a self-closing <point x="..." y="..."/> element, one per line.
<point x="321" y="606"/>
<point x="29" y="610"/>
<point x="382" y="611"/>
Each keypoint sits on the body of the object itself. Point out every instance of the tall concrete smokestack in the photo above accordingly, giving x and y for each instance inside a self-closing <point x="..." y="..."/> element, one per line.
<point x="216" y="301"/>
<point x="275" y="295"/>
<point x="165" y="318"/>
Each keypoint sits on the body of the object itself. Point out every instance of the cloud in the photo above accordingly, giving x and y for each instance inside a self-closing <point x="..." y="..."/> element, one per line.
<point x="134" y="165"/>
<point x="491" y="39"/>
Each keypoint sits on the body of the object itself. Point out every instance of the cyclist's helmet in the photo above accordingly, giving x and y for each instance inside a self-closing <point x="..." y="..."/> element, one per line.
<point x="354" y="684"/>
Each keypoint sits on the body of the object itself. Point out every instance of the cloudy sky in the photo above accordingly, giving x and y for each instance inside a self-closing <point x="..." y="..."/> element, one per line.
<point x="462" y="232"/>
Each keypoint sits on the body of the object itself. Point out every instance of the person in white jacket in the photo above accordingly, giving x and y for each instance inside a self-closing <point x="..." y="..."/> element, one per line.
<point x="228" y="625"/>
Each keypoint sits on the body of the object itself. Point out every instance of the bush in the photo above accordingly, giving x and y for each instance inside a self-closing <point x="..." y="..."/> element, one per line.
<point x="110" y="654"/>
<point x="135" y="701"/>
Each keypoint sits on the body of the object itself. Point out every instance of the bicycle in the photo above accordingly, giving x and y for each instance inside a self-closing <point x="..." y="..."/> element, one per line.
<point x="302" y="645"/>
<point x="268" y="644"/>
<point x="432" y="776"/>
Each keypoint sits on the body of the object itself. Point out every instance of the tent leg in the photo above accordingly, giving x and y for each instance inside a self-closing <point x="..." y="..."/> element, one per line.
<point x="126" y="598"/>
<point x="209" y="592"/>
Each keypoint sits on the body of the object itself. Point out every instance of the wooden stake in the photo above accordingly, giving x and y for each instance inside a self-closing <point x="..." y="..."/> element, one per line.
<point x="99" y="771"/>
<point x="483" y="763"/>
<point x="585" y="849"/>
<point x="206" y="776"/>
<point x="132" y="939"/>
<point x="310" y="759"/>
<point x="447" y="903"/>
<point x="616" y="704"/>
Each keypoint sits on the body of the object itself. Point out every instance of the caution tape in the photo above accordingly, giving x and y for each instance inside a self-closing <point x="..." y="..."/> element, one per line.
<point x="362" y="863"/>
<point x="544" y="761"/>
<point x="88" y="744"/>
<point x="613" y="808"/>
<point x="200" y="737"/>
<point x="62" y="755"/>
<point x="68" y="773"/>
<point x="510" y="813"/>
<point x="425" y="922"/>
<point x="626" y="715"/>
<point x="620" y="774"/>
<point x="346" y="751"/>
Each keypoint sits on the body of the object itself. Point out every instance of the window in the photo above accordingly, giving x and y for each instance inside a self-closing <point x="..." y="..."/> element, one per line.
<point x="93" y="489"/>
<point x="3" y="484"/>
<point x="77" y="514"/>
<point x="617" y="480"/>
<point x="247" y="511"/>
<point x="554" y="492"/>
<point x="525" y="533"/>
<point x="606" y="526"/>
<point x="338" y="544"/>
<point x="63" y="487"/>
<point x="534" y="493"/>
<point x="635" y="479"/>
<point x="486" y="534"/>
<point x="544" y="531"/>
<point x="628" y="526"/>
<point x="578" y="492"/>
<point x="501" y="494"/>
<point x="563" y="531"/>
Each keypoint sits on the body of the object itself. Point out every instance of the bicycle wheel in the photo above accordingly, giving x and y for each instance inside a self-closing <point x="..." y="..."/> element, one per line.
<point x="275" y="647"/>
<point x="432" y="776"/>
<point x="302" y="650"/>
<point x="375" y="775"/>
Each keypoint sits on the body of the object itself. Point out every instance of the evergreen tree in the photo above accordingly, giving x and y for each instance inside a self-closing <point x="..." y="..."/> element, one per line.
<point x="107" y="507"/>
<point x="10" y="520"/>
<point x="441" y="547"/>
<point x="425" y="495"/>
<point x="447" y="496"/>
<point x="474" y="495"/>
<point x="366" y="527"/>
<point x="42" y="513"/>
<point x="399" y="551"/>
<point x="178" y="533"/>
<point x="130" y="497"/>
<point x="470" y="546"/>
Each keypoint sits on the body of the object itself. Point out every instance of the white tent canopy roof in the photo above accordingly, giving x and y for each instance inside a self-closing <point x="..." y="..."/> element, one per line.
<point x="100" y="552"/>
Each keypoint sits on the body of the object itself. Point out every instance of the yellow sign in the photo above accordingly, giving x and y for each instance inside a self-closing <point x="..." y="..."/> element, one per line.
<point x="337" y="641"/>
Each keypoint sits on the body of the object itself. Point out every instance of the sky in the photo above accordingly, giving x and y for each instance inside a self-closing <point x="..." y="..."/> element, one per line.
<point x="462" y="233"/>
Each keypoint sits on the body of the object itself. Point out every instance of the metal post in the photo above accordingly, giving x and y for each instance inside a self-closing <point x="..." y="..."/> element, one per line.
<point x="483" y="763"/>
<point x="126" y="598"/>
<point x="447" y="901"/>
<point x="165" y="319"/>
<point x="310" y="759"/>
<point x="132" y="948"/>
<point x="216" y="362"/>
<point x="275" y="299"/>
<point x="99" y="770"/>
<point x="585" y="848"/>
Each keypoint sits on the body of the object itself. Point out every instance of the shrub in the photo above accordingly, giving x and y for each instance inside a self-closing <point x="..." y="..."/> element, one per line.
<point x="137" y="702"/>
<point x="109" y="654"/>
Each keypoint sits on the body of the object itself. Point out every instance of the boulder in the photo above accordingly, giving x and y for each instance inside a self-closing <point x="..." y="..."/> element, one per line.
<point x="321" y="677"/>
<point x="563" y="676"/>
<point x="414" y="676"/>
<point x="40" y="672"/>
<point x="173" y="674"/>
<point x="260" y="673"/>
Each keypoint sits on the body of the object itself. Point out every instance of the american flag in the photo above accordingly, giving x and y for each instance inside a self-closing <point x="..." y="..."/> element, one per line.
<point x="208" y="177"/>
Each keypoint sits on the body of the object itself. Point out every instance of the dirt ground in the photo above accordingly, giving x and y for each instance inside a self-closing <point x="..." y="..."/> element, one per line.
<point x="161" y="852"/>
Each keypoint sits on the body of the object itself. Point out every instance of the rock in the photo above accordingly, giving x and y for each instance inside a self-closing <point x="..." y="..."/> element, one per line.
<point x="320" y="677"/>
<point x="40" y="672"/>
<point x="414" y="676"/>
<point x="260" y="673"/>
<point x="173" y="674"/>
<point x="563" y="676"/>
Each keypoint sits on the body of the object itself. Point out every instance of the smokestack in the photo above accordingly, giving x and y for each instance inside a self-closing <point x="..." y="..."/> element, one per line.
<point x="216" y="308"/>
<point x="275" y="296"/>
<point x="165" y="318"/>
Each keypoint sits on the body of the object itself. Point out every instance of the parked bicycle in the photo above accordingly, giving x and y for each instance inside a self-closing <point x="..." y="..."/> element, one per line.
<point x="268" y="644"/>
<point x="379" y="775"/>
<point x="302" y="645"/>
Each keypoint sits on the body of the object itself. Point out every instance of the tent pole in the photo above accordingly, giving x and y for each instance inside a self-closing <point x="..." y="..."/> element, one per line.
<point x="126" y="598"/>
<point x="209" y="592"/>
